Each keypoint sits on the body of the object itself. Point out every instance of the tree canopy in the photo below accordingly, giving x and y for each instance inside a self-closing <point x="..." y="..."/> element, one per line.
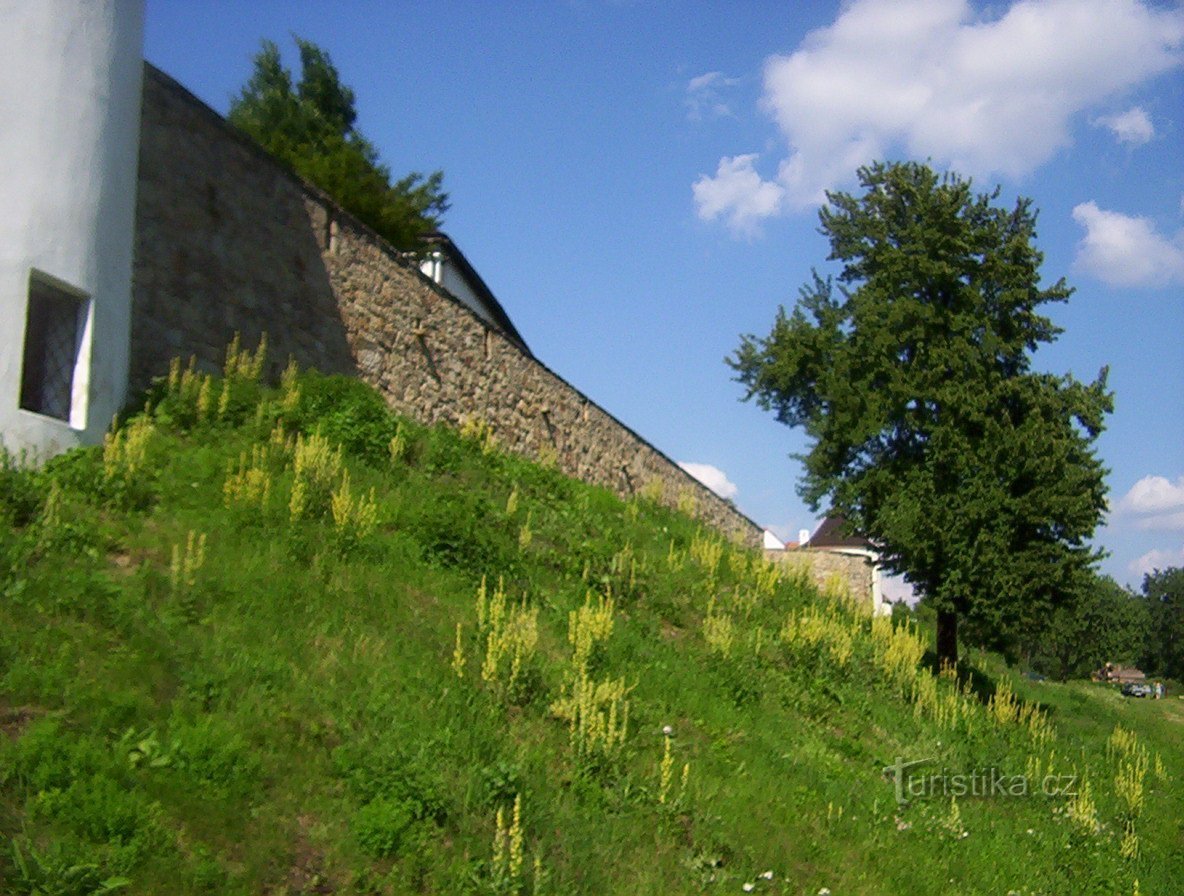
<point x="928" y="430"/>
<point x="1104" y="623"/>
<point x="1164" y="651"/>
<point x="310" y="126"/>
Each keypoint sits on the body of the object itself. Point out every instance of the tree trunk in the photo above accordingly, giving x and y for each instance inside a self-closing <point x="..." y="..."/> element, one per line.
<point x="947" y="637"/>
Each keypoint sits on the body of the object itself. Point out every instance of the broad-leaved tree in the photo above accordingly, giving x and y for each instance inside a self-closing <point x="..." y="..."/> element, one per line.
<point x="929" y="431"/>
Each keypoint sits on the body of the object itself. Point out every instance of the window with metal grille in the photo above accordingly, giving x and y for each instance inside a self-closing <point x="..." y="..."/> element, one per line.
<point x="53" y="337"/>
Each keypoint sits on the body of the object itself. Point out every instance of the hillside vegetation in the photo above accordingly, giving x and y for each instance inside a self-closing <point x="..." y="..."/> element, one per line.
<point x="281" y="641"/>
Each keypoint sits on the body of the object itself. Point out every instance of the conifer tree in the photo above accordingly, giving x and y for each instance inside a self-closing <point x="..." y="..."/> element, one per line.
<point x="310" y="126"/>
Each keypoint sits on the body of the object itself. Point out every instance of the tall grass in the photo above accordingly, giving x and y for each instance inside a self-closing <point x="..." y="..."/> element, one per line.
<point x="278" y="640"/>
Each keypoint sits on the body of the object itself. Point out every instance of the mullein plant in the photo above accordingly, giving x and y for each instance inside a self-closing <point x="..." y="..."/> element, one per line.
<point x="511" y="633"/>
<point x="508" y="860"/>
<point x="667" y="797"/>
<point x="816" y="629"/>
<point x="128" y="474"/>
<point x="624" y="568"/>
<point x="183" y="570"/>
<point x="316" y="466"/>
<point x="653" y="491"/>
<point x="1132" y="760"/>
<point x="476" y="429"/>
<point x="1082" y="810"/>
<point x="706" y="551"/>
<point x="596" y="711"/>
<point x="248" y="485"/>
<point x="718" y="630"/>
<point x="355" y="516"/>
<point x="125" y="450"/>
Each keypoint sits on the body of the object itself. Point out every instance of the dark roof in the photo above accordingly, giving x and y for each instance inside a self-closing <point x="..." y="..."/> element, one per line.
<point x="441" y="242"/>
<point x="833" y="533"/>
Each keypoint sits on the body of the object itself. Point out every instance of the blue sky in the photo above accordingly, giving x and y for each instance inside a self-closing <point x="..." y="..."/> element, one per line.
<point x="638" y="183"/>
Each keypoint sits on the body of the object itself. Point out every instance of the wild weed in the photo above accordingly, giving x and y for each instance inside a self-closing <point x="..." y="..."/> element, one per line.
<point x="547" y="456"/>
<point x="183" y="570"/>
<point x="896" y="652"/>
<point x="952" y="822"/>
<point x="1128" y="847"/>
<point x="765" y="575"/>
<point x="815" y="628"/>
<point x="1003" y="706"/>
<point x="587" y="627"/>
<point x="508" y="852"/>
<point x="706" y="551"/>
<point x="186" y="563"/>
<point x="249" y="485"/>
<point x="1083" y="810"/>
<point x="1129" y="781"/>
<point x="653" y="491"/>
<point x="597" y="713"/>
<point x="127" y="471"/>
<point x="666" y="797"/>
<point x="478" y="431"/>
<point x="675" y="559"/>
<point x="290" y="388"/>
<point x="317" y="466"/>
<point x="243" y="364"/>
<point x="458" y="654"/>
<point x="354" y="516"/>
<point x="718" y="630"/>
<point x="58" y="872"/>
<point x="525" y="534"/>
<point x="511" y="634"/>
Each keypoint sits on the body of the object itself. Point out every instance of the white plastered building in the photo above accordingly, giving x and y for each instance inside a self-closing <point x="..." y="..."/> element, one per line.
<point x="71" y="75"/>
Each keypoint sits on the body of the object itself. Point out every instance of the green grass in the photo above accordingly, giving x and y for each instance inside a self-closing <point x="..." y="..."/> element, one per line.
<point x="286" y="716"/>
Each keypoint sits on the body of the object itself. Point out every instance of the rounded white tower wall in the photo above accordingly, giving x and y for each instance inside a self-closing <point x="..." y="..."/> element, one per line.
<point x="71" y="73"/>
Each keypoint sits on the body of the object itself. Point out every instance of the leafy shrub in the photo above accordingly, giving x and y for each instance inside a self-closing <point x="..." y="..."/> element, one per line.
<point x="459" y="529"/>
<point x="20" y="496"/>
<point x="99" y="809"/>
<point x="381" y="824"/>
<point x="382" y="773"/>
<point x="348" y="413"/>
<point x="212" y="753"/>
<point x="47" y="756"/>
<point x="500" y="782"/>
<point x="79" y="471"/>
<point x="58" y="871"/>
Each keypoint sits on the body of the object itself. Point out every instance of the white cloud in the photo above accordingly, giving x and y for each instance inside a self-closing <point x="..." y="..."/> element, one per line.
<point x="1124" y="250"/>
<point x="936" y="79"/>
<point x="1174" y="520"/>
<point x="1153" y="494"/>
<point x="1156" y="501"/>
<point x="1153" y="560"/>
<point x="1131" y="126"/>
<point x="705" y="96"/>
<point x="738" y="193"/>
<point x="712" y="477"/>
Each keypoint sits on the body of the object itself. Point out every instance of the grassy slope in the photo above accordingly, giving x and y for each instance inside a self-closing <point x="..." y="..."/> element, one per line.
<point x="286" y="717"/>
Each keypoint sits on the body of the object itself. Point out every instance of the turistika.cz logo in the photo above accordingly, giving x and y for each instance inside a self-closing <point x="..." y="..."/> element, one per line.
<point x="912" y="783"/>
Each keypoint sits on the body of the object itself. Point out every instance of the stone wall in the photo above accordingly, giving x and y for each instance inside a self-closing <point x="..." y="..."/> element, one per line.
<point x="824" y="566"/>
<point x="229" y="241"/>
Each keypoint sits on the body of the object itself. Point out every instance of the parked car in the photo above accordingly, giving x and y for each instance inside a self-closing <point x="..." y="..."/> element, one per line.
<point x="1137" y="689"/>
